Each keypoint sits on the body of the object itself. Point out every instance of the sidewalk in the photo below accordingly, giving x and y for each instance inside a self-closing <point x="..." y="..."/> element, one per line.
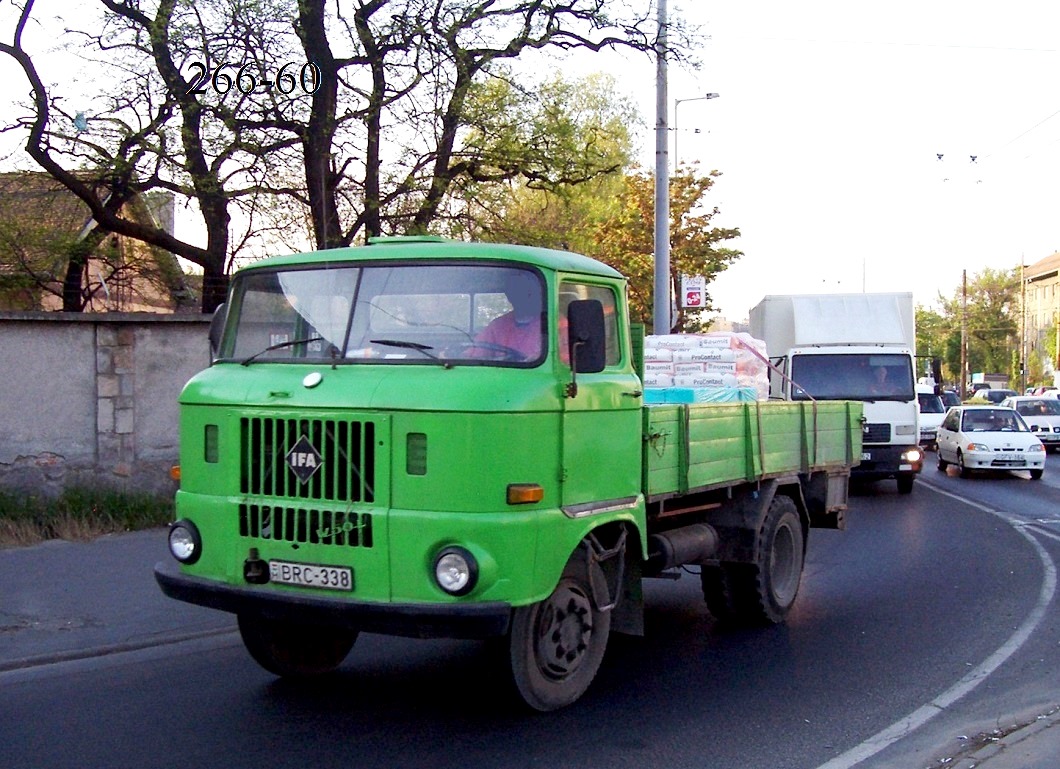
<point x="69" y="600"/>
<point x="1035" y="745"/>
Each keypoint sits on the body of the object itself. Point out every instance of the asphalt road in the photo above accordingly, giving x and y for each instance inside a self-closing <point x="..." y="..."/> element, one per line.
<point x="927" y="621"/>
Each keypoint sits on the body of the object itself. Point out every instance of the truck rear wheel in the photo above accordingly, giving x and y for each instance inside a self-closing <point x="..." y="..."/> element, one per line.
<point x="293" y="650"/>
<point x="557" y="644"/>
<point x="761" y="592"/>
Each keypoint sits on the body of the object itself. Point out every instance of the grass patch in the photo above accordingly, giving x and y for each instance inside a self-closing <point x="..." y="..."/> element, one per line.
<point x="78" y="514"/>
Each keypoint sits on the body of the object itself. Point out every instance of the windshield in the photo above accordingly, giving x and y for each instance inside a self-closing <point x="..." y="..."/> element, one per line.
<point x="865" y="377"/>
<point x="992" y="420"/>
<point x="466" y="313"/>
<point x="930" y="403"/>
<point x="1042" y="408"/>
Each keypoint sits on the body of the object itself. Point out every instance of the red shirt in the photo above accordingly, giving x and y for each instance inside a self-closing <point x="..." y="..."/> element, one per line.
<point x="507" y="331"/>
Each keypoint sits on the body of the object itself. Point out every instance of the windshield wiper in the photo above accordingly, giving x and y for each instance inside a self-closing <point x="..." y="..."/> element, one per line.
<point x="280" y="345"/>
<point x="424" y="348"/>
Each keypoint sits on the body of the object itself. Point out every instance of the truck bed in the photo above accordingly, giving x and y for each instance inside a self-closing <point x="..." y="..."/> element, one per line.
<point x="702" y="446"/>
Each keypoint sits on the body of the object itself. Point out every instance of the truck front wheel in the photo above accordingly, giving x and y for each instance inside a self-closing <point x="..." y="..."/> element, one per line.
<point x="557" y="644"/>
<point x="764" y="591"/>
<point x="293" y="650"/>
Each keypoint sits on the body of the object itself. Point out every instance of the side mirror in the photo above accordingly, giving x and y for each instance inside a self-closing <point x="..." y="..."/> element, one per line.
<point x="585" y="335"/>
<point x="217" y="327"/>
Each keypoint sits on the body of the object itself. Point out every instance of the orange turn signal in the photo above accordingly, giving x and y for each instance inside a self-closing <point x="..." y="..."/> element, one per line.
<point x="174" y="472"/>
<point x="524" y="493"/>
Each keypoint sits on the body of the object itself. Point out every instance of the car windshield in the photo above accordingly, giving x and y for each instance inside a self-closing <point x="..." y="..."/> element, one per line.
<point x="879" y="376"/>
<point x="930" y="403"/>
<point x="1039" y="408"/>
<point x="991" y="420"/>
<point x="391" y="314"/>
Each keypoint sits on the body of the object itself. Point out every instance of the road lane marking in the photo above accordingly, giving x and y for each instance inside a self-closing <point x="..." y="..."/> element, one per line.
<point x="904" y="726"/>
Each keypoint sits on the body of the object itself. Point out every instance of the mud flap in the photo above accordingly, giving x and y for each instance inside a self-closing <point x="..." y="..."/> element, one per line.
<point x="606" y="566"/>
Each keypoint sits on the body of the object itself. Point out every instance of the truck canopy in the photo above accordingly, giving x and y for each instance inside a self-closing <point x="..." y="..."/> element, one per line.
<point x="784" y="321"/>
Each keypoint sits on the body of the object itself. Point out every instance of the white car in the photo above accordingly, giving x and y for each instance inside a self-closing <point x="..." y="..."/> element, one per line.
<point x="1042" y="415"/>
<point x="932" y="413"/>
<point x="988" y="438"/>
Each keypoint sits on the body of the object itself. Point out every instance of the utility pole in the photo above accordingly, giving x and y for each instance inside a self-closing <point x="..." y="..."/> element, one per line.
<point x="661" y="320"/>
<point x="964" y="333"/>
<point x="1023" y="328"/>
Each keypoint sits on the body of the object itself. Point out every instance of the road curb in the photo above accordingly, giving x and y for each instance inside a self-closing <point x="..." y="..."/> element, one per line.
<point x="73" y="655"/>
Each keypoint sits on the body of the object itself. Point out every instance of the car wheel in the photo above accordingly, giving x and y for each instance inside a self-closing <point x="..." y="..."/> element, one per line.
<point x="965" y="472"/>
<point x="1036" y="475"/>
<point x="294" y="650"/>
<point x="942" y="463"/>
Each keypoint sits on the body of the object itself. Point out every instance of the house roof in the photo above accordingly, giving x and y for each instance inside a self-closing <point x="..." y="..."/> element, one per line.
<point x="1043" y="268"/>
<point x="44" y="212"/>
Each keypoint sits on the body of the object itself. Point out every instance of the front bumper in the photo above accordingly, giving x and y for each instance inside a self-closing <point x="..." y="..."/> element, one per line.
<point x="987" y="460"/>
<point x="413" y="620"/>
<point x="879" y="462"/>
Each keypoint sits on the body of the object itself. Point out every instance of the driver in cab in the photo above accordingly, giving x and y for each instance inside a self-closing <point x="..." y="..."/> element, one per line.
<point x="515" y="335"/>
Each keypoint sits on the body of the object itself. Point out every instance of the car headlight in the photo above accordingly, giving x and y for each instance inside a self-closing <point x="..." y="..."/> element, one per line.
<point x="977" y="447"/>
<point x="456" y="571"/>
<point x="1036" y="448"/>
<point x="185" y="544"/>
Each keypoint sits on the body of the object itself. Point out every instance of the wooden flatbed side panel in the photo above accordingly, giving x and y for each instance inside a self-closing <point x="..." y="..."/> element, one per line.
<point x="662" y="449"/>
<point x="695" y="446"/>
<point x="718" y="445"/>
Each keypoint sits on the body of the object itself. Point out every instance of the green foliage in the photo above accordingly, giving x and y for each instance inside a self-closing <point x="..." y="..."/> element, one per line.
<point x="626" y="241"/>
<point x="78" y="513"/>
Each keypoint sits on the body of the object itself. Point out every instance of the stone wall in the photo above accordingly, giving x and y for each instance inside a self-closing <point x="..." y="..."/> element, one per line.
<point x="91" y="399"/>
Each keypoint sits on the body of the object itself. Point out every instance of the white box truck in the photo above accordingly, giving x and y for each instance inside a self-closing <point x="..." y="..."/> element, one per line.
<point x="851" y="347"/>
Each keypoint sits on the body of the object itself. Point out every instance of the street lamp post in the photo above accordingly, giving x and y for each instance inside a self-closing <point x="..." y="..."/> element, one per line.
<point x="677" y="102"/>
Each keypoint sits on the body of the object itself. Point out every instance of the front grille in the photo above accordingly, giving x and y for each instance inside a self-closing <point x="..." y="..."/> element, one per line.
<point x="295" y="524"/>
<point x="874" y="432"/>
<point x="345" y="462"/>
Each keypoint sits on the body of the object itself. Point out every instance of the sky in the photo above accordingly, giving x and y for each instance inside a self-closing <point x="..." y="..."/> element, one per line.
<point x="830" y="119"/>
<point x="827" y="129"/>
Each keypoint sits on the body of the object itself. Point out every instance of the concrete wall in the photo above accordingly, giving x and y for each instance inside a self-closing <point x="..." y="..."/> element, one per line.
<point x="92" y="399"/>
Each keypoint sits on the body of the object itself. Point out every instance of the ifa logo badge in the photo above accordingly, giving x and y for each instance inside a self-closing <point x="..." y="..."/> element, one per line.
<point x="303" y="459"/>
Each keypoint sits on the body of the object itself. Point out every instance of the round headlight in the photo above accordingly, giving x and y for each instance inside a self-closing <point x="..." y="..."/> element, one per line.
<point x="455" y="571"/>
<point x="185" y="544"/>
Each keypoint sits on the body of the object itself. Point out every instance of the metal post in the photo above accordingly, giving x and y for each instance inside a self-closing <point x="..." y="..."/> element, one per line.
<point x="1023" y="328"/>
<point x="661" y="321"/>
<point x="964" y="333"/>
<point x="677" y="133"/>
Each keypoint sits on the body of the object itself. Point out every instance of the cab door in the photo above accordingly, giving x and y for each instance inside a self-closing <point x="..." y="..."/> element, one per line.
<point x="600" y="423"/>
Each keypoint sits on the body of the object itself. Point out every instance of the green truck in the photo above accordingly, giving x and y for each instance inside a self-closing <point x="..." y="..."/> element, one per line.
<point x="430" y="438"/>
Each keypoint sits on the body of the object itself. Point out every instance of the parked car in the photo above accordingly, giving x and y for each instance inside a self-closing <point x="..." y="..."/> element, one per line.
<point x="988" y="438"/>
<point x="932" y="411"/>
<point x="1042" y="415"/>
<point x="995" y="396"/>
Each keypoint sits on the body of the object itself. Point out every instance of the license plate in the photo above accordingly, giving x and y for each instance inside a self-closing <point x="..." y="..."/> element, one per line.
<point x="866" y="456"/>
<point x="311" y="575"/>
